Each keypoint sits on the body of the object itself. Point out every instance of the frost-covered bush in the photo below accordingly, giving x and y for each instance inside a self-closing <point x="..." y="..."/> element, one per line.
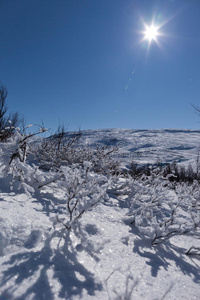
<point x="160" y="212"/>
<point x="57" y="150"/>
<point x="82" y="189"/>
<point x="8" y="122"/>
<point x="65" y="149"/>
<point x="13" y="159"/>
<point x="102" y="158"/>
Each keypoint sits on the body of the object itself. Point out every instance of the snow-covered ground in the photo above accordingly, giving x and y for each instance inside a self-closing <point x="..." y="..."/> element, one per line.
<point x="108" y="252"/>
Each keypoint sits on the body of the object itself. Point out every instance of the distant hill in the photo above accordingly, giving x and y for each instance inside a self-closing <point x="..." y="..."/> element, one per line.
<point x="147" y="146"/>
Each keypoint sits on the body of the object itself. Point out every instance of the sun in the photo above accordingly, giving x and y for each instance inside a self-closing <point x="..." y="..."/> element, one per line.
<point x="151" y="33"/>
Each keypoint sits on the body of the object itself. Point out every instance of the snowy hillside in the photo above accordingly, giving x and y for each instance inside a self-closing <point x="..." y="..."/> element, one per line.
<point x="74" y="233"/>
<point x="148" y="146"/>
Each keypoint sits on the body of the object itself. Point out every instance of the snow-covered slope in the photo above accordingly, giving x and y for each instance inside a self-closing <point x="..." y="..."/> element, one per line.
<point x="148" y="146"/>
<point x="108" y="253"/>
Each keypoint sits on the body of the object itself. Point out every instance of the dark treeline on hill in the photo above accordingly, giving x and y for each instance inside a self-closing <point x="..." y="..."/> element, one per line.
<point x="171" y="171"/>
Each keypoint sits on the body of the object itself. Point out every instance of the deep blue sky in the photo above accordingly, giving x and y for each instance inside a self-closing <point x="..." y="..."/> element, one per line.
<point x="82" y="62"/>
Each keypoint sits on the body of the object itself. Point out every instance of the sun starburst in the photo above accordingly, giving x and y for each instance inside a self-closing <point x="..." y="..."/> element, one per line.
<point x="151" y="33"/>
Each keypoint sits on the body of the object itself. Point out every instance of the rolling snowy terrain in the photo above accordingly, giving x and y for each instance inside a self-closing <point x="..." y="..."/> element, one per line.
<point x="77" y="234"/>
<point x="148" y="146"/>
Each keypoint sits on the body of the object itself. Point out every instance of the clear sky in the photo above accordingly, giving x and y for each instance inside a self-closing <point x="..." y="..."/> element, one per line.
<point x="86" y="63"/>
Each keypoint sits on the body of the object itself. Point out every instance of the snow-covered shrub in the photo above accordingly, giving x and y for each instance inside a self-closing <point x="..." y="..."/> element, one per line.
<point x="56" y="150"/>
<point x="82" y="189"/>
<point x="102" y="158"/>
<point x="160" y="212"/>
<point x="64" y="149"/>
<point x="13" y="159"/>
<point x="136" y="170"/>
<point x="8" y="123"/>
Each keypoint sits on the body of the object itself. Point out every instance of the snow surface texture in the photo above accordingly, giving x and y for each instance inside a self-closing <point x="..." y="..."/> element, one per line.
<point x="108" y="251"/>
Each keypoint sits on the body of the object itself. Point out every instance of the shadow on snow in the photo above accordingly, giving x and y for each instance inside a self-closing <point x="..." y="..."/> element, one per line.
<point x="161" y="256"/>
<point x="44" y="268"/>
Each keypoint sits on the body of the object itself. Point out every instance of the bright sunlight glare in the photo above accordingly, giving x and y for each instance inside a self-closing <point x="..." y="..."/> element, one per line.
<point x="151" y="33"/>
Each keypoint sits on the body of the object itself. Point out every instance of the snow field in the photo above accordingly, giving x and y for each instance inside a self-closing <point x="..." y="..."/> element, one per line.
<point x="104" y="257"/>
